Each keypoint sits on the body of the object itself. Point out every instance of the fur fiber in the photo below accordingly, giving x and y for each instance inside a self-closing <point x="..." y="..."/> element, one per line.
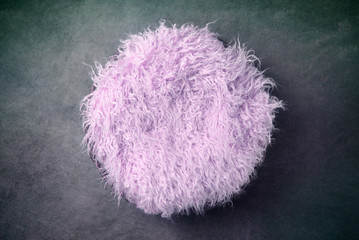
<point x="177" y="120"/>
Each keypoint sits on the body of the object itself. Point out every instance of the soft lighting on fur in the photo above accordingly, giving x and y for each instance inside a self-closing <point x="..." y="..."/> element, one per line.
<point x="178" y="121"/>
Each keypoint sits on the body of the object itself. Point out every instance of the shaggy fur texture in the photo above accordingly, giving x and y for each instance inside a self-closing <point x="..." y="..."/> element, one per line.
<point x="177" y="120"/>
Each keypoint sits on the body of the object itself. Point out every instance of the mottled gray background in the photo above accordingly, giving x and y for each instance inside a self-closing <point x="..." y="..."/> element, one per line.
<point x="307" y="187"/>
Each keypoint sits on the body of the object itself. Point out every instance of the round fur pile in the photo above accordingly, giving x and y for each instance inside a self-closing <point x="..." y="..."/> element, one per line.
<point x="177" y="120"/>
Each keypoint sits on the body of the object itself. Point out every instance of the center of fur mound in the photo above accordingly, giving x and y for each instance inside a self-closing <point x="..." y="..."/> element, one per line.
<point x="177" y="120"/>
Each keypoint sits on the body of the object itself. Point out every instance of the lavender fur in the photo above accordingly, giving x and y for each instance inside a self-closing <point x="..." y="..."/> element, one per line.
<point x="177" y="120"/>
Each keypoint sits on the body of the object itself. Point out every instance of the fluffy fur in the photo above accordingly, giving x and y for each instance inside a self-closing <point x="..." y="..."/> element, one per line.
<point x="177" y="120"/>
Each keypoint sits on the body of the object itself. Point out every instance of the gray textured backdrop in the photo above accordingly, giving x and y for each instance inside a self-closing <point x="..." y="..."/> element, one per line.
<point x="307" y="187"/>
